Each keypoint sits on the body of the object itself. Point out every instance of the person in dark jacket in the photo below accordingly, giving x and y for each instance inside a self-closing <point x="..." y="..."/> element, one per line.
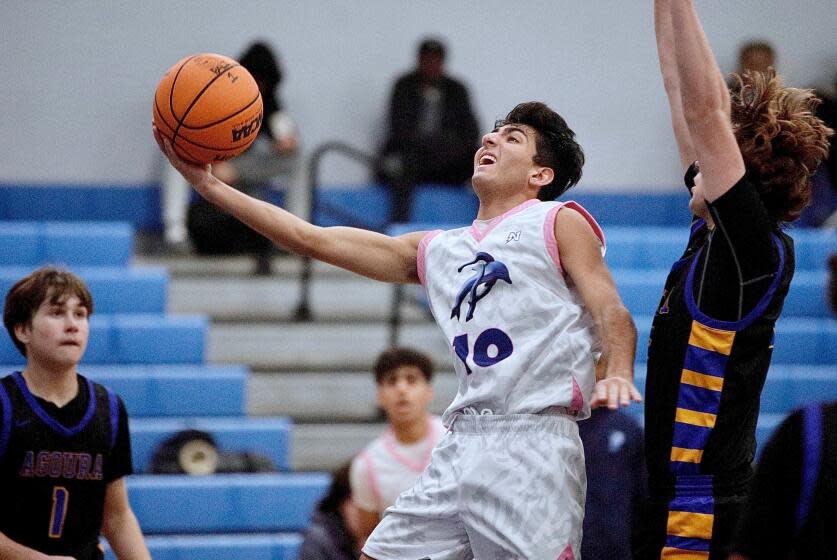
<point x="432" y="130"/>
<point x="331" y="535"/>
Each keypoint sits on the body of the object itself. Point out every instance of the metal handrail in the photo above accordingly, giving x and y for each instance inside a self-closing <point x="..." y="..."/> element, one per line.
<point x="303" y="310"/>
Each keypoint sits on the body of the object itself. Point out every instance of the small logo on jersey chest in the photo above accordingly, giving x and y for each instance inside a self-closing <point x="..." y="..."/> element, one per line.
<point x="512" y="236"/>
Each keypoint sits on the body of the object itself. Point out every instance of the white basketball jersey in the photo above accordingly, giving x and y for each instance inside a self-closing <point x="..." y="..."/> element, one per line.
<point x="522" y="340"/>
<point x="386" y="467"/>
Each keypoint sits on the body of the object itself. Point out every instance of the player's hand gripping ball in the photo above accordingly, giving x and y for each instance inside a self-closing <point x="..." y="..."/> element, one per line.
<point x="209" y="107"/>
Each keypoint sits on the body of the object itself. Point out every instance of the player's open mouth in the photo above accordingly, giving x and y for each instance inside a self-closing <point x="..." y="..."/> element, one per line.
<point x="487" y="159"/>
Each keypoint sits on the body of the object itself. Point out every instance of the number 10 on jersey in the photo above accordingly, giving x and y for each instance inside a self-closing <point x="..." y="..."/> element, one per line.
<point x="490" y="347"/>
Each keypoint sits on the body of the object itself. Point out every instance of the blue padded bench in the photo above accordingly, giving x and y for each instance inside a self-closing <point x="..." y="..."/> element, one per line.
<point x="175" y="390"/>
<point x="798" y="341"/>
<point x="268" y="436"/>
<point x="114" y="289"/>
<point x="641" y="291"/>
<point x="787" y="386"/>
<point x="226" y="503"/>
<point x="659" y="248"/>
<point x="136" y="339"/>
<point x="137" y="204"/>
<point x="367" y="207"/>
<point x="222" y="547"/>
<point x="76" y="244"/>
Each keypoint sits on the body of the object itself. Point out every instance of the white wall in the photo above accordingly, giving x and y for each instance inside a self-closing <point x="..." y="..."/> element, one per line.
<point x="78" y="77"/>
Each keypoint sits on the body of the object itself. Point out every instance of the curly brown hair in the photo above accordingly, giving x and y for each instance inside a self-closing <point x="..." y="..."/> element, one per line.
<point x="780" y="139"/>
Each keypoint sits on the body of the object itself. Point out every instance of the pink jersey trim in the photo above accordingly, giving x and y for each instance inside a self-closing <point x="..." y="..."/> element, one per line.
<point x="373" y="479"/>
<point x="422" y="251"/>
<point x="480" y="235"/>
<point x="549" y="230"/>
<point x="389" y="445"/>
<point x="577" y="402"/>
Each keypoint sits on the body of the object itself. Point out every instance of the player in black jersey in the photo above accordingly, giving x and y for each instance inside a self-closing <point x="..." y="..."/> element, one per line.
<point x="64" y="444"/>
<point x="712" y="336"/>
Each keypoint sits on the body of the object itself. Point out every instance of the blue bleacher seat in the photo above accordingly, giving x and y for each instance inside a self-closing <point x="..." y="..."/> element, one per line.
<point x="135" y="339"/>
<point x="175" y="390"/>
<point x="114" y="289"/>
<point x="268" y="436"/>
<point x="221" y="547"/>
<point x="798" y="340"/>
<point x="225" y="503"/>
<point x="66" y="243"/>
<point x="641" y="290"/>
<point x="367" y="207"/>
<point x="442" y="203"/>
<point x="138" y="204"/>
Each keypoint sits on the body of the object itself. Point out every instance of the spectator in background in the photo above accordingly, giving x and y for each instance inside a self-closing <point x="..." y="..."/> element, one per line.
<point x="793" y="499"/>
<point x="272" y="156"/>
<point x="616" y="483"/>
<point x="50" y="411"/>
<point x="755" y="56"/>
<point x="392" y="462"/>
<point x="432" y="130"/>
<point x="823" y="209"/>
<point x="333" y="531"/>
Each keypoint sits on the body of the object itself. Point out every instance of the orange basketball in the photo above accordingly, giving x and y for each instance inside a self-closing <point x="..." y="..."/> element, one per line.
<point x="209" y="107"/>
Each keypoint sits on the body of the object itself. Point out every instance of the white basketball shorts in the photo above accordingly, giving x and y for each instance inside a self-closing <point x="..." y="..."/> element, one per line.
<point x="497" y="488"/>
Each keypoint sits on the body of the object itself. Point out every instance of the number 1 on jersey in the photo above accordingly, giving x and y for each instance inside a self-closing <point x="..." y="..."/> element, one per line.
<point x="60" y="501"/>
<point x="487" y="339"/>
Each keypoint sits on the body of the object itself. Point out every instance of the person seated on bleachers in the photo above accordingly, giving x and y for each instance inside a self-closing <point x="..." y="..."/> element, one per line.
<point x="391" y="463"/>
<point x="432" y="134"/>
<point x="613" y="456"/>
<point x="64" y="442"/>
<point x="793" y="499"/>
<point x="274" y="155"/>
<point x="333" y="534"/>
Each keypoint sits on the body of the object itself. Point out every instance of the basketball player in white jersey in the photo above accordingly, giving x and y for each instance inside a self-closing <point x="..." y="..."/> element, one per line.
<point x="392" y="462"/>
<point x="528" y="305"/>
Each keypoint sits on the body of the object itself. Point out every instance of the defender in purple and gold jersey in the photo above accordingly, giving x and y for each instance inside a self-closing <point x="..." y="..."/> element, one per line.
<point x="712" y="337"/>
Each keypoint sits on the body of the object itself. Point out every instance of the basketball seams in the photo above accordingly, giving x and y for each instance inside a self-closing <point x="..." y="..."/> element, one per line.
<point x="200" y="93"/>
<point x="174" y="82"/>
<point x="231" y="115"/>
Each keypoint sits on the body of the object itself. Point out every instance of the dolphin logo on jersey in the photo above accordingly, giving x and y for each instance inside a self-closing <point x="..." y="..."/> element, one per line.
<point x="489" y="271"/>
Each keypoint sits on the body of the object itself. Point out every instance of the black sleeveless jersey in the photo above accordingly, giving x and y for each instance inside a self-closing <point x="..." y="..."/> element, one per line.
<point x="55" y="464"/>
<point x="705" y="377"/>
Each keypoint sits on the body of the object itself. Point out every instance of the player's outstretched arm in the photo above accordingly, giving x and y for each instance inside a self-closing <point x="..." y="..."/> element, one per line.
<point x="664" y="32"/>
<point x="120" y="526"/>
<point x="706" y="103"/>
<point x="377" y="256"/>
<point x="582" y="260"/>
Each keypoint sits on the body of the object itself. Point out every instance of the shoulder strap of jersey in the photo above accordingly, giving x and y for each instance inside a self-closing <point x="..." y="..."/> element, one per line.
<point x="113" y="401"/>
<point x="5" y="419"/>
<point x="811" y="457"/>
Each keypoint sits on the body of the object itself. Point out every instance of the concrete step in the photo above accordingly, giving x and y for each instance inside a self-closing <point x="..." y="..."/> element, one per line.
<point x="271" y="298"/>
<point x="329" y="396"/>
<point x="230" y="266"/>
<point x="325" y="447"/>
<point x="338" y="346"/>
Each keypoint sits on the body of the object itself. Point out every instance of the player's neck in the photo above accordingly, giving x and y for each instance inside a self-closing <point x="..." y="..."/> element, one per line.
<point x="492" y="207"/>
<point x="56" y="386"/>
<point x="408" y="433"/>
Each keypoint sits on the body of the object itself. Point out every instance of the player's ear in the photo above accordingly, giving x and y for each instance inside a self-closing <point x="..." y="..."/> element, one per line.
<point x="541" y="176"/>
<point x="23" y="332"/>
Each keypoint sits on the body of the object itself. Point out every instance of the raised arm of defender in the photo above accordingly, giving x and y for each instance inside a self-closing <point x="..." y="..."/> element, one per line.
<point x="690" y="71"/>
<point x="371" y="254"/>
